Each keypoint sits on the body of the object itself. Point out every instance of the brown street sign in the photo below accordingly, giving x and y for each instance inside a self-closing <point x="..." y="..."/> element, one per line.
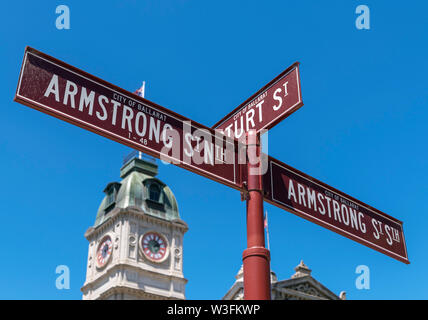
<point x="298" y="193"/>
<point x="70" y="94"/>
<point x="313" y="200"/>
<point x="271" y="104"/>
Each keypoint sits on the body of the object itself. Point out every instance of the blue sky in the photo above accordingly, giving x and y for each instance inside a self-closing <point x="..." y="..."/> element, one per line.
<point x="362" y="130"/>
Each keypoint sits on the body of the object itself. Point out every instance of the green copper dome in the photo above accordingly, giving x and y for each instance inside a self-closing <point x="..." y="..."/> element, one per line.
<point x="139" y="188"/>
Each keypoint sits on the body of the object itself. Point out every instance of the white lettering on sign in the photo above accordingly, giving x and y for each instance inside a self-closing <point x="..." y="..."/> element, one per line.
<point x="132" y="121"/>
<point x="200" y="146"/>
<point x="274" y="102"/>
<point x="252" y="116"/>
<point x="323" y="204"/>
<point x="380" y="229"/>
<point x="277" y="96"/>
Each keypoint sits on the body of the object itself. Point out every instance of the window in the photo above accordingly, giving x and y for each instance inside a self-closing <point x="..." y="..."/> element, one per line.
<point x="110" y="197"/>
<point x="111" y="193"/>
<point x="154" y="192"/>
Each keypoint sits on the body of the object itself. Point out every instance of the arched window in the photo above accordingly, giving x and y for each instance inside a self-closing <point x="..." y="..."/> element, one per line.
<point x="111" y="193"/>
<point x="154" y="192"/>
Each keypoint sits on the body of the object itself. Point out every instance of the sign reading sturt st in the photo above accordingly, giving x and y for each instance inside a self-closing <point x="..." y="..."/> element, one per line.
<point x="70" y="94"/>
<point x="274" y="102"/>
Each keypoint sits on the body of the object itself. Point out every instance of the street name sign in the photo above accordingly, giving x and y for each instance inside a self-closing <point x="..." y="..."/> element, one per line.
<point x="313" y="200"/>
<point x="300" y="194"/>
<point x="70" y="94"/>
<point x="274" y="102"/>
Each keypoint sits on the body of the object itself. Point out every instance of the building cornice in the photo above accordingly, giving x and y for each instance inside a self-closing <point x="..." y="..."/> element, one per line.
<point x="121" y="267"/>
<point x="135" y="212"/>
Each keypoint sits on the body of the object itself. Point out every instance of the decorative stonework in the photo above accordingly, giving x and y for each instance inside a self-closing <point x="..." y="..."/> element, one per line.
<point x="308" y="289"/>
<point x="301" y="286"/>
<point x="177" y="258"/>
<point x="302" y="270"/>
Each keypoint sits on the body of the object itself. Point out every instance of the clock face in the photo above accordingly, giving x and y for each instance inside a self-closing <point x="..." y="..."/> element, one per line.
<point x="154" y="246"/>
<point x="104" y="252"/>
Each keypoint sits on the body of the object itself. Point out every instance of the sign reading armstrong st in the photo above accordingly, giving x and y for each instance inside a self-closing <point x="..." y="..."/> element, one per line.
<point x="65" y="92"/>
<point x="313" y="200"/>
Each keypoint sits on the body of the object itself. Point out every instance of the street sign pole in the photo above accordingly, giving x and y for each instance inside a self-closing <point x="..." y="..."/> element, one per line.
<point x="256" y="257"/>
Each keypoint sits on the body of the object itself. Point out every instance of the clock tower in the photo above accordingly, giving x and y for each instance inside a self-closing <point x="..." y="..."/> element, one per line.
<point x="136" y="242"/>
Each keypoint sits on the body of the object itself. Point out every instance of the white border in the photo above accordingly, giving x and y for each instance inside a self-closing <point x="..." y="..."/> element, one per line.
<point x="113" y="134"/>
<point x="333" y="226"/>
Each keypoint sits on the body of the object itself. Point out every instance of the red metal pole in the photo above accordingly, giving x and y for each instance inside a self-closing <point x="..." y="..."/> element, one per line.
<point x="256" y="257"/>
